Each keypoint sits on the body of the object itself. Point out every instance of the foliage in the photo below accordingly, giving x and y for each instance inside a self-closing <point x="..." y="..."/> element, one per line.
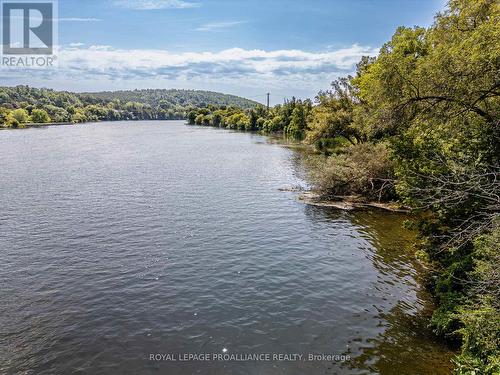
<point x="62" y="106"/>
<point x="290" y="118"/>
<point x="480" y="314"/>
<point x="20" y="115"/>
<point x="481" y="342"/>
<point x="173" y="99"/>
<point x="363" y="169"/>
<point x="40" y="116"/>
<point x="333" y="117"/>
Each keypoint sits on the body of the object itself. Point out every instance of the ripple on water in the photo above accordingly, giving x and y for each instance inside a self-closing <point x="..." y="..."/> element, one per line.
<point x="118" y="240"/>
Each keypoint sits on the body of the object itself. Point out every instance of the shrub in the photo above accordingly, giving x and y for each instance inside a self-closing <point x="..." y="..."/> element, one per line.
<point x="199" y="119"/>
<point x="480" y="341"/>
<point x="20" y="115"/>
<point x="473" y="314"/>
<point x="363" y="169"/>
<point x="191" y="117"/>
<point x="238" y="121"/>
<point x="11" y="122"/>
<point x="40" y="116"/>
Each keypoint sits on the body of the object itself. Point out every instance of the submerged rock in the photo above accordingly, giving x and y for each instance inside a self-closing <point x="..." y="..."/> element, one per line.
<point x="292" y="188"/>
<point x="348" y="203"/>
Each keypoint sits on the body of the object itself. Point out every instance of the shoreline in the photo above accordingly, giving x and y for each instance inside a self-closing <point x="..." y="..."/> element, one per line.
<point x="45" y="124"/>
<point x="40" y="125"/>
<point x="350" y="203"/>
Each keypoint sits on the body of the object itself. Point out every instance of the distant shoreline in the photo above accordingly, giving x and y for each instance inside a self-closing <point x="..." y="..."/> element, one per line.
<point x="38" y="125"/>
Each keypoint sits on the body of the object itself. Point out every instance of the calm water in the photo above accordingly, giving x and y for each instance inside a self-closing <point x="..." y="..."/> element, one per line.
<point x="121" y="240"/>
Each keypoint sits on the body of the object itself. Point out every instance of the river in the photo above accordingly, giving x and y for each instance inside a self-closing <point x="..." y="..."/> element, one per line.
<point x="126" y="246"/>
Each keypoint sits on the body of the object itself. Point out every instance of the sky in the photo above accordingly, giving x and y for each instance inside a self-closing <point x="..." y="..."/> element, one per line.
<point x="247" y="48"/>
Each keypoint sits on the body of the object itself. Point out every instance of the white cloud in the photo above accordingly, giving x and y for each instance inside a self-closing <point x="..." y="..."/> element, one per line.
<point x="219" y="25"/>
<point x="76" y="19"/>
<point x="155" y="4"/>
<point x="108" y="60"/>
<point x="237" y="70"/>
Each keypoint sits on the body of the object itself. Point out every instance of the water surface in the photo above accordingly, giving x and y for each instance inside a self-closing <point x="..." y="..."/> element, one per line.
<point x="121" y="240"/>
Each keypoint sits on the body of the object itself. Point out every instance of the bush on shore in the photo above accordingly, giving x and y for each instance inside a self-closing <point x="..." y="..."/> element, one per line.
<point x="479" y="315"/>
<point x="363" y="169"/>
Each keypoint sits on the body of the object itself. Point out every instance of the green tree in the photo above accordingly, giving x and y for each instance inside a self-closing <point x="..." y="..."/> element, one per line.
<point x="217" y="118"/>
<point x="298" y="122"/>
<point x="334" y="116"/>
<point x="191" y="117"/>
<point x="79" y="116"/>
<point x="20" y="115"/>
<point x="40" y="116"/>
<point x="4" y="112"/>
<point x="199" y="119"/>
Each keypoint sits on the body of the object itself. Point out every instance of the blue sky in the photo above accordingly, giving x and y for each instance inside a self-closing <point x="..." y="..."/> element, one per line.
<point x="286" y="47"/>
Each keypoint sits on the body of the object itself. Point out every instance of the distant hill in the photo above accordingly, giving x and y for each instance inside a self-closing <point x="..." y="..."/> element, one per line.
<point x="64" y="106"/>
<point x="173" y="97"/>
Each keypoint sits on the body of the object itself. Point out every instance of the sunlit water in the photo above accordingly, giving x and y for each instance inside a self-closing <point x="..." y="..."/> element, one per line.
<point x="122" y="240"/>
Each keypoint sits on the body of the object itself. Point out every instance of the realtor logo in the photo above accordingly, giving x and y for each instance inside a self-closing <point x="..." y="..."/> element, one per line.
<point x="27" y="28"/>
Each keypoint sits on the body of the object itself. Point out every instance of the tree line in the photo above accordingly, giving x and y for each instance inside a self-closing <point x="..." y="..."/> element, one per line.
<point x="22" y="104"/>
<point x="288" y="118"/>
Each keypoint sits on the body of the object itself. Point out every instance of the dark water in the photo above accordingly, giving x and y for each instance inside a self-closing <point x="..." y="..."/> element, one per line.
<point x="121" y="240"/>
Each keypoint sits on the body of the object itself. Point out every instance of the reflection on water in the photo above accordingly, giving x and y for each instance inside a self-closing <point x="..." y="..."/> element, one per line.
<point x="120" y="240"/>
<point x="406" y="345"/>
